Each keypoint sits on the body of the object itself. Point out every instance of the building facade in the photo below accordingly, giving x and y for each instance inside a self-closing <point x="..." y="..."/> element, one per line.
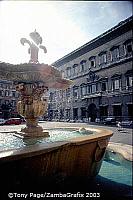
<point x="8" y="99"/>
<point x="102" y="76"/>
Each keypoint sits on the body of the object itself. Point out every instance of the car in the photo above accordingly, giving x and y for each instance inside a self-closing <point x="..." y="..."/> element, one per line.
<point x="110" y="121"/>
<point x="2" y="121"/>
<point x="125" y="124"/>
<point x="15" y="121"/>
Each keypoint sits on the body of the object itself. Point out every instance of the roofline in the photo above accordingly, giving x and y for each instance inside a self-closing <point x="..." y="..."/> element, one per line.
<point x="120" y="24"/>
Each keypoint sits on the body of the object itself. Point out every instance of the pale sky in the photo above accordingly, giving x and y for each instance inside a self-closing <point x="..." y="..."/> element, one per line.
<point x="63" y="25"/>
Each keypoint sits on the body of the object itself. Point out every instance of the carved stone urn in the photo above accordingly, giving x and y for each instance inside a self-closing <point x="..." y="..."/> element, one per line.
<point x="31" y="107"/>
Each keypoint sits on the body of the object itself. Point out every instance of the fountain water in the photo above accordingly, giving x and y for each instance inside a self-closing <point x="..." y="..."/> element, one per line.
<point x="78" y="156"/>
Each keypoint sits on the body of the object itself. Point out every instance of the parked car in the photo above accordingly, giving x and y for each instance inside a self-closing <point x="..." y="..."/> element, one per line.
<point x="2" y="121"/>
<point x="110" y="121"/>
<point x="125" y="124"/>
<point x="15" y="121"/>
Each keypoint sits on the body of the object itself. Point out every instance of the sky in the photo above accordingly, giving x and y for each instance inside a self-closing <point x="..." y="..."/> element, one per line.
<point x="63" y="25"/>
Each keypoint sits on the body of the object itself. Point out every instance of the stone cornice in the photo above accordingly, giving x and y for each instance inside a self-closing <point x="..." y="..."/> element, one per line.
<point x="109" y="35"/>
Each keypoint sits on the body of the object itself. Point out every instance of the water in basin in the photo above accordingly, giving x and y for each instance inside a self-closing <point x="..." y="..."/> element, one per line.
<point x="116" y="168"/>
<point x="10" y="141"/>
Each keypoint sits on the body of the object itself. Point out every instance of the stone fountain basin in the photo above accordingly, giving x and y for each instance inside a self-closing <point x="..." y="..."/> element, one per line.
<point x="31" y="73"/>
<point x="76" y="157"/>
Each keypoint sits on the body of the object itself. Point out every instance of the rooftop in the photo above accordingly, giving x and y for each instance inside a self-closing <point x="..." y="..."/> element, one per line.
<point x="121" y="27"/>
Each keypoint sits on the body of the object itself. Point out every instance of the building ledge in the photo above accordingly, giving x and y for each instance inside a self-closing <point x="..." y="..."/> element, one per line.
<point x="92" y="96"/>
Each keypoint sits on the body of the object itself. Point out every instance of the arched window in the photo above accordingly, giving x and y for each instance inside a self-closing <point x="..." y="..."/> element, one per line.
<point x="102" y="57"/>
<point x="92" y="60"/>
<point x="83" y="66"/>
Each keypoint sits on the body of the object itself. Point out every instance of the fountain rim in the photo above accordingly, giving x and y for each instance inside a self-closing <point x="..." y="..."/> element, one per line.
<point x="124" y="149"/>
<point x="34" y="150"/>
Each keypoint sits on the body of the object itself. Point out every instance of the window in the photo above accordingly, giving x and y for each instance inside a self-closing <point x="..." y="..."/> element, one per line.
<point x="89" y="89"/>
<point x="117" y="110"/>
<point x="68" y="72"/>
<point x="129" y="81"/>
<point x="6" y="93"/>
<point x="75" y="92"/>
<point x="94" y="88"/>
<point x="75" y="113"/>
<point x="103" y="86"/>
<point x="92" y="63"/>
<point x="114" y="53"/>
<point x="13" y="94"/>
<point x="67" y="113"/>
<point x="83" y="112"/>
<point x="83" y="90"/>
<point x="92" y="60"/>
<point x="61" y="114"/>
<point x="0" y="92"/>
<point x="6" y="102"/>
<point x="116" y="84"/>
<point x="128" y="46"/>
<point x="51" y="96"/>
<point x="13" y="103"/>
<point x="102" y="58"/>
<point x="83" y="65"/>
<point x="75" y="69"/>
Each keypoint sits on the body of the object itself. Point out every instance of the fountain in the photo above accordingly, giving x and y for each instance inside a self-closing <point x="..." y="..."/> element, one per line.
<point x="32" y="80"/>
<point x="76" y="156"/>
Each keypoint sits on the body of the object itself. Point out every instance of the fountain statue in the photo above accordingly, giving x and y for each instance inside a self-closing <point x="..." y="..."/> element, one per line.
<point x="34" y="46"/>
<point x="77" y="156"/>
<point x="32" y="80"/>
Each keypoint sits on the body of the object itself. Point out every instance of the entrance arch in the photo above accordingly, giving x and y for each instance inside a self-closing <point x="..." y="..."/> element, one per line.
<point x="92" y="112"/>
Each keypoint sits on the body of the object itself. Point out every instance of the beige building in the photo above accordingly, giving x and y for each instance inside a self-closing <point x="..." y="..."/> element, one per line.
<point x="101" y="71"/>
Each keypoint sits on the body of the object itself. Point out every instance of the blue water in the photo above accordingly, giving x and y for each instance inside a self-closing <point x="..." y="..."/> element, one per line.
<point x="10" y="141"/>
<point x="116" y="168"/>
